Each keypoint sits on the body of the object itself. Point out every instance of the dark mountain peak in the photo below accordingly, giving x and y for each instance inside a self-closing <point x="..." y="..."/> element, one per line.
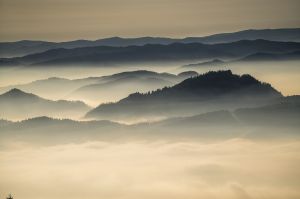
<point x="18" y="94"/>
<point x="204" y="92"/>
<point x="223" y="79"/>
<point x="210" y="85"/>
<point x="15" y="90"/>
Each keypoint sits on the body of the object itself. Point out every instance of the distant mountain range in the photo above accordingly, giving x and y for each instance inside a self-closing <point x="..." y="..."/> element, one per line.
<point x="16" y="104"/>
<point x="26" y="47"/>
<point x="104" y="55"/>
<point x="204" y="93"/>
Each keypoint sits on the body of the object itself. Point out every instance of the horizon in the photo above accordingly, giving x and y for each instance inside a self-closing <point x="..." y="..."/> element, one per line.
<point x="149" y="36"/>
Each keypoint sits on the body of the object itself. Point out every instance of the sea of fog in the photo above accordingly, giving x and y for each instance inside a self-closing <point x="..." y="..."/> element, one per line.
<point x="229" y="169"/>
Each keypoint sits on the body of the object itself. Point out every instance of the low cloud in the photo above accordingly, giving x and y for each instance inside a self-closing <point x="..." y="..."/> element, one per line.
<point x="228" y="169"/>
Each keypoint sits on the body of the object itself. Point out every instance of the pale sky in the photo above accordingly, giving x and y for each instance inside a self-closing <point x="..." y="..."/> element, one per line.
<point x="61" y="20"/>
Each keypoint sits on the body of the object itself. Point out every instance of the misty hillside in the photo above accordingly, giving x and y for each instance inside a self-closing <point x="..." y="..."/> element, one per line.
<point x="120" y="87"/>
<point x="25" y="47"/>
<point x="285" y="112"/>
<point x="45" y="130"/>
<point x="98" y="89"/>
<point x="103" y="55"/>
<point x="281" y="112"/>
<point x="260" y="122"/>
<point x="209" y="85"/>
<point x="203" y="93"/>
<point x="122" y="84"/>
<point x="16" y="104"/>
<point x="53" y="87"/>
<point x="278" y="119"/>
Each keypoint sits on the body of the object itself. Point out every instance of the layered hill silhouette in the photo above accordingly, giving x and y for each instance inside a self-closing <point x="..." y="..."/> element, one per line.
<point x="53" y="87"/>
<point x="122" y="84"/>
<point x="16" y="104"/>
<point x="284" y="111"/>
<point x="267" y="121"/>
<point x="45" y="130"/>
<point x="25" y="47"/>
<point x="203" y="93"/>
<point x="104" y="55"/>
<point x="100" y="89"/>
<point x="279" y="119"/>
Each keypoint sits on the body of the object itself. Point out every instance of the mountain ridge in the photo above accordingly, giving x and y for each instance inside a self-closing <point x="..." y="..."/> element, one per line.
<point x="105" y="55"/>
<point x="16" y="104"/>
<point x="264" y="122"/>
<point x="24" y="47"/>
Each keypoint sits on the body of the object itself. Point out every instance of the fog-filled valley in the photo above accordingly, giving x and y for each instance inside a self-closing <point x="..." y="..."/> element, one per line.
<point x="211" y="117"/>
<point x="234" y="168"/>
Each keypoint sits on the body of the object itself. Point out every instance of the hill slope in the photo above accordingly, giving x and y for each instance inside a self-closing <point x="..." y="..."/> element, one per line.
<point x="16" y="104"/>
<point x="277" y="120"/>
<point x="207" y="92"/>
<point x="122" y="84"/>
<point x="94" y="90"/>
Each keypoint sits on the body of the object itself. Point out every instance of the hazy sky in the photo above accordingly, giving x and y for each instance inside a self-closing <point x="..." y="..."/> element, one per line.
<point x="58" y="20"/>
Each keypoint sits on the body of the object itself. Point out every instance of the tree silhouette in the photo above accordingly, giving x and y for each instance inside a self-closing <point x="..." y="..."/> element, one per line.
<point x="9" y="197"/>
